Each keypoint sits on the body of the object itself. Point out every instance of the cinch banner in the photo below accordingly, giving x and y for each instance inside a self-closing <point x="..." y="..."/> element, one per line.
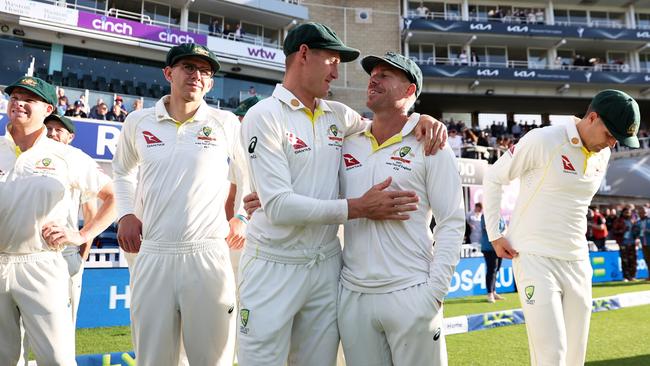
<point x="129" y="28"/>
<point x="98" y="139"/>
<point x="535" y="30"/>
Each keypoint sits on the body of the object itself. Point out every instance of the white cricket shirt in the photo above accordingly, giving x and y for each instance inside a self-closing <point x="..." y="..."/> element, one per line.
<point x="389" y="255"/>
<point x="185" y="171"/>
<point x="40" y="185"/>
<point x="559" y="177"/>
<point x="294" y="160"/>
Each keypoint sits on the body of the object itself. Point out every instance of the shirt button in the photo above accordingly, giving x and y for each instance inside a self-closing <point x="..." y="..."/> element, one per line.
<point x="575" y="140"/>
<point x="295" y="102"/>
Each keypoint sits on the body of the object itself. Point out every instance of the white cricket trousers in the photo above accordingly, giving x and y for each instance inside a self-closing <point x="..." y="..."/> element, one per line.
<point x="556" y="299"/>
<point x="75" y="271"/>
<point x="399" y="328"/>
<point x="288" y="310"/>
<point x="188" y="287"/>
<point x="34" y="288"/>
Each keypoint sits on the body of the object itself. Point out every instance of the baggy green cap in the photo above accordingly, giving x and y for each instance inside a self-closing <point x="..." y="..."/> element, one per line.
<point x="318" y="36"/>
<point x="37" y="86"/>
<point x="192" y="50"/>
<point x="620" y="113"/>
<point x="244" y="106"/>
<point x="65" y="121"/>
<point x="408" y="66"/>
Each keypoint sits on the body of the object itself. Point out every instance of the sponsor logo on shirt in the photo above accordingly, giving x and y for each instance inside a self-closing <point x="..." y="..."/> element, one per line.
<point x="567" y="165"/>
<point x="45" y="164"/>
<point x="299" y="146"/>
<point x="204" y="137"/>
<point x="401" y="158"/>
<point x="204" y="134"/>
<point x="151" y="139"/>
<point x="350" y="162"/>
<point x="333" y="136"/>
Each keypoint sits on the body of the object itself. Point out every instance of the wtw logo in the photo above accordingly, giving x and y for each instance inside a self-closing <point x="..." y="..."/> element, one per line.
<point x="261" y="53"/>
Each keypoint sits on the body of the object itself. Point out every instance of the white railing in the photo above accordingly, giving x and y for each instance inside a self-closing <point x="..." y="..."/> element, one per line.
<point x="520" y="64"/>
<point x="511" y="19"/>
<point x="105" y="258"/>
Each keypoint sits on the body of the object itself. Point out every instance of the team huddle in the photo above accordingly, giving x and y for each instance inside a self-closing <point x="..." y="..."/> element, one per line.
<point x="298" y="167"/>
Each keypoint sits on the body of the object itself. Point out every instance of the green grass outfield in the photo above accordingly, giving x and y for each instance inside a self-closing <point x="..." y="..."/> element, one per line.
<point x="618" y="337"/>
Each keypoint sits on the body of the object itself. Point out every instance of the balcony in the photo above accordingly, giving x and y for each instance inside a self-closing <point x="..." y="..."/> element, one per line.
<point x="452" y="24"/>
<point x="523" y="71"/>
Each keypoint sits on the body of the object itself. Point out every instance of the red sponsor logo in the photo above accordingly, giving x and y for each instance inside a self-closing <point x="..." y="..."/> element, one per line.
<point x="567" y="165"/>
<point x="296" y="142"/>
<point x="400" y="159"/>
<point x="150" y="138"/>
<point x="350" y="160"/>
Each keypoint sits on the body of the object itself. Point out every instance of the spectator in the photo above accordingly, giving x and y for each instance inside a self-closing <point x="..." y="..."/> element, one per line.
<point x="137" y="105"/>
<point x="644" y="227"/>
<point x="492" y="262"/>
<point x="251" y="91"/>
<point x="422" y="11"/>
<point x="598" y="229"/>
<point x="455" y="142"/>
<point x="626" y="231"/>
<point x="100" y="112"/>
<point x="77" y="111"/>
<point x="474" y="222"/>
<point x="516" y="130"/>
<point x="610" y="217"/>
<point x="60" y="92"/>
<point x="227" y="31"/>
<point x="474" y="59"/>
<point x="215" y="28"/>
<point x="120" y="102"/>
<point x="63" y="105"/>
<point x="93" y="110"/>
<point x="530" y="18"/>
<point x="116" y="114"/>
<point x="539" y="16"/>
<point x="239" y="32"/>
<point x="82" y="98"/>
<point x="462" y="58"/>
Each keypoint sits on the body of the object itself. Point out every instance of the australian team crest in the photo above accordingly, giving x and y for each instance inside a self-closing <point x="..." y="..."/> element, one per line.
<point x="333" y="133"/>
<point x="244" y="315"/>
<point x="405" y="150"/>
<point x="29" y="82"/>
<point x="204" y="134"/>
<point x="44" y="164"/>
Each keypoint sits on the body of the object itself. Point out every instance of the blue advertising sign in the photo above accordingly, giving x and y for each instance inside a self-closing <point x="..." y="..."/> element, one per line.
<point x="98" y="139"/>
<point x="469" y="278"/>
<point x="105" y="298"/>
<point x="503" y="73"/>
<point x="534" y="30"/>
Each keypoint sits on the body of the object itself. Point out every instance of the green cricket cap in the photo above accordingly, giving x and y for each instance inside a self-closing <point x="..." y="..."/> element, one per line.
<point x="401" y="62"/>
<point x="318" y="36"/>
<point x="65" y="121"/>
<point x="192" y="50"/>
<point x="37" y="86"/>
<point x="247" y="104"/>
<point x="620" y="113"/>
